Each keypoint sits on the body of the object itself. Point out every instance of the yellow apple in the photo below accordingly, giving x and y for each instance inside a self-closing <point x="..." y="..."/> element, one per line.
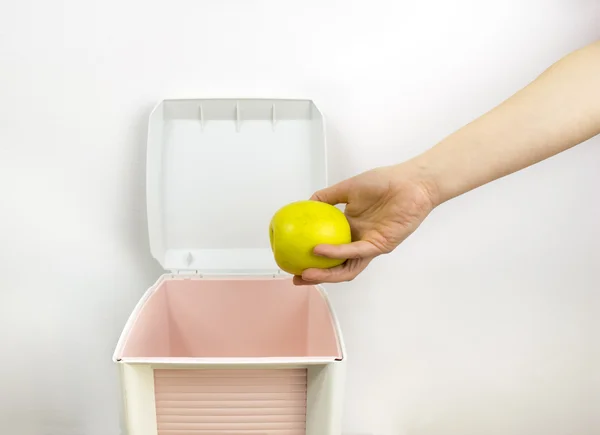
<point x="298" y="227"/>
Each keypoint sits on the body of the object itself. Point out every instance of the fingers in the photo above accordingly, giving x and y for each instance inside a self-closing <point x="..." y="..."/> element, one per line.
<point x="358" y="254"/>
<point x="346" y="272"/>
<point x="359" y="249"/>
<point x="336" y="194"/>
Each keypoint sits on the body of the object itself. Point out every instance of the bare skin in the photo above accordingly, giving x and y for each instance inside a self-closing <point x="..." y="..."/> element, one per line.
<point x="557" y="111"/>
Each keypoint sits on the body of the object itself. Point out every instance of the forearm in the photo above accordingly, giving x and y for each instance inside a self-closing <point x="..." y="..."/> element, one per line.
<point x="558" y="110"/>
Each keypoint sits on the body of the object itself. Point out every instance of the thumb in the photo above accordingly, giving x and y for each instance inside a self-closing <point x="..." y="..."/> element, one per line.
<point x="336" y="194"/>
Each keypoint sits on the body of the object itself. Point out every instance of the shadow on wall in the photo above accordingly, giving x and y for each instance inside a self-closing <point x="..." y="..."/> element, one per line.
<point x="134" y="228"/>
<point x="134" y="225"/>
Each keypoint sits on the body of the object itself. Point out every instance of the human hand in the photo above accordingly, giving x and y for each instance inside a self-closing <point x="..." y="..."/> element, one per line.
<point x="383" y="206"/>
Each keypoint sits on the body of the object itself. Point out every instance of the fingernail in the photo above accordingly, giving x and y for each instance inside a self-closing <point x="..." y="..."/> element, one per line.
<point x="317" y="252"/>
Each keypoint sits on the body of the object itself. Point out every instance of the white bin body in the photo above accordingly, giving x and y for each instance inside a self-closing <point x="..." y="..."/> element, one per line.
<point x="321" y="413"/>
<point x="224" y="343"/>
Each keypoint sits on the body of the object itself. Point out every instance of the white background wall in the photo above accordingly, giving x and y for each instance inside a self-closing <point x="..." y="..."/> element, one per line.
<point x="486" y="321"/>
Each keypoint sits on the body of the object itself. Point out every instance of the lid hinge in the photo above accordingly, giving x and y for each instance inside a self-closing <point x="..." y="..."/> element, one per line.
<point x="190" y="273"/>
<point x="185" y="273"/>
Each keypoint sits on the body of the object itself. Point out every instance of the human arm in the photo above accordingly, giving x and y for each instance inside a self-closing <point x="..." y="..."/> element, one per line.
<point x="558" y="110"/>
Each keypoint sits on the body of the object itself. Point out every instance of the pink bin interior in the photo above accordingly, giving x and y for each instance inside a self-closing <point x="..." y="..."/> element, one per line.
<point x="229" y="318"/>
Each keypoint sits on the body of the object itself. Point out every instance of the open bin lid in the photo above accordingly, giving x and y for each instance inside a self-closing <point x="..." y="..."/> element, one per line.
<point x="217" y="171"/>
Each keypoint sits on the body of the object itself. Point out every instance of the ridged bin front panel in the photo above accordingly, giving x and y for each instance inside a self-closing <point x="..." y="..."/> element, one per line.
<point x="231" y="402"/>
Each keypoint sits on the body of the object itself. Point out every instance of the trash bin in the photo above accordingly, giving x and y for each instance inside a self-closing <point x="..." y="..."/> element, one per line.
<point x="223" y="343"/>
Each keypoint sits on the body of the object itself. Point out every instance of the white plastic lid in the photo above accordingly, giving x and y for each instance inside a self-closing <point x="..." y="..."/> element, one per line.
<point x="217" y="171"/>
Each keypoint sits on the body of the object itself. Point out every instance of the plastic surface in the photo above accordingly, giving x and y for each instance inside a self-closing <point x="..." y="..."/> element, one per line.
<point x="217" y="170"/>
<point x="235" y="401"/>
<point x="206" y="351"/>
<point x="197" y="325"/>
<point x="145" y="409"/>
<point x="231" y="319"/>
